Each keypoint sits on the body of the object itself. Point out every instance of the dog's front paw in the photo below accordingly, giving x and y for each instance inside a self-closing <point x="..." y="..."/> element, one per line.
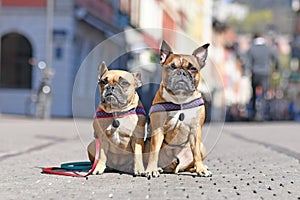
<point x="203" y="171"/>
<point x="155" y="172"/>
<point x="139" y="172"/>
<point x="139" y="169"/>
<point x="99" y="169"/>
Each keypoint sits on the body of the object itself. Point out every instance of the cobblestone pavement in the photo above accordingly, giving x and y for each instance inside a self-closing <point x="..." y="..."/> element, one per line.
<point x="250" y="161"/>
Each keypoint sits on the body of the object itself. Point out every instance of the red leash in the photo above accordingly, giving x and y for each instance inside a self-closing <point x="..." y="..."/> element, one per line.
<point x="63" y="172"/>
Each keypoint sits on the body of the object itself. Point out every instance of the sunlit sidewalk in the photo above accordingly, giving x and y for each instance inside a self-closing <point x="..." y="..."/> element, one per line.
<point x="249" y="161"/>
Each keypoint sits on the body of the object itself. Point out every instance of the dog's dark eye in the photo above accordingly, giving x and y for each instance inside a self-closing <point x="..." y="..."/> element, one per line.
<point x="192" y="68"/>
<point x="102" y="82"/>
<point x="173" y="66"/>
<point x="123" y="82"/>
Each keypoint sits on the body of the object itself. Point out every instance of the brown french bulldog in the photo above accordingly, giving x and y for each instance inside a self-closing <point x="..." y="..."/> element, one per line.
<point x="119" y="123"/>
<point x="177" y="115"/>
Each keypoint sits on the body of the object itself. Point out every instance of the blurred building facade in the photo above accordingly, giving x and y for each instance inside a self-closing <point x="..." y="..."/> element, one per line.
<point x="78" y="27"/>
<point x="184" y="25"/>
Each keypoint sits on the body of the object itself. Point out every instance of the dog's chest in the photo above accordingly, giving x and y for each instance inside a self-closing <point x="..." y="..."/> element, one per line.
<point x="122" y="129"/>
<point x="187" y="117"/>
<point x="179" y="125"/>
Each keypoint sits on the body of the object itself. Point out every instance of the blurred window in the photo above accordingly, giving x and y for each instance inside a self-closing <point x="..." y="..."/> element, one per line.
<point x="15" y="69"/>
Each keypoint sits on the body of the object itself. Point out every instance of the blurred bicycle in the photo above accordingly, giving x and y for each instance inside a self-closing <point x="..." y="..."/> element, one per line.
<point x="39" y="102"/>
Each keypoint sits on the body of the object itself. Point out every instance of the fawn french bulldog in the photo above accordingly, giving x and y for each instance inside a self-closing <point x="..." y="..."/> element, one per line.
<point x="119" y="123"/>
<point x="177" y="115"/>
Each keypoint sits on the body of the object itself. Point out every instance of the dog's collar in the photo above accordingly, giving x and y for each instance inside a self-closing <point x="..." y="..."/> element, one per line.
<point x="134" y="111"/>
<point x="168" y="106"/>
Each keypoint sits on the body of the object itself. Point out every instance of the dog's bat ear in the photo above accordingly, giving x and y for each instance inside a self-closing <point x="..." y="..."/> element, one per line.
<point x="137" y="79"/>
<point x="102" y="68"/>
<point x="201" y="54"/>
<point x="165" y="51"/>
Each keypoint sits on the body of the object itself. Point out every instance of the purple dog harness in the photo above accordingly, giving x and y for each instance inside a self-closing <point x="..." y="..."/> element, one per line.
<point x="168" y="106"/>
<point x="134" y="111"/>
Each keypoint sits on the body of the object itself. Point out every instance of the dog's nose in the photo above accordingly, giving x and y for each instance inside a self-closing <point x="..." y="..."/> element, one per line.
<point x="110" y="87"/>
<point x="181" y="72"/>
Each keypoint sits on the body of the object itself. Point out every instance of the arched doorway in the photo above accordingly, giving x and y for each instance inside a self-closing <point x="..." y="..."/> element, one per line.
<point x="15" y="69"/>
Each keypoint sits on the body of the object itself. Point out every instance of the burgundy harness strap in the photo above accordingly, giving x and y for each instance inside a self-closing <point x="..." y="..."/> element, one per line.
<point x="60" y="171"/>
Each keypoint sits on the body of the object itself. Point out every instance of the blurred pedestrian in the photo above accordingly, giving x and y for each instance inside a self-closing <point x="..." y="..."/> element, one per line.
<point x="261" y="58"/>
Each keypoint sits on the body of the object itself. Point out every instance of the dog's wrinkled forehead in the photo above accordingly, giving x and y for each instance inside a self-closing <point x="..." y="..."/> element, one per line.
<point x="114" y="76"/>
<point x="181" y="60"/>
